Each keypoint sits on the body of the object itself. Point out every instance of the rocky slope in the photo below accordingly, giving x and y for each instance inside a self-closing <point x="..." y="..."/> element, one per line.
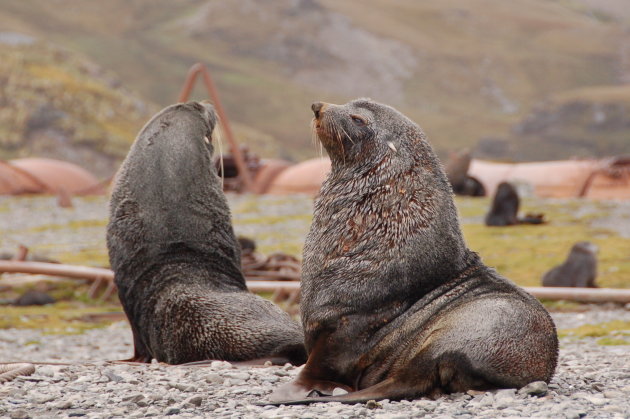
<point x="464" y="70"/>
<point x="61" y="105"/>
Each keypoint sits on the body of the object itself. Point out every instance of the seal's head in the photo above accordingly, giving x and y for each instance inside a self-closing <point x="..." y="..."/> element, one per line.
<point x="364" y="132"/>
<point x="173" y="152"/>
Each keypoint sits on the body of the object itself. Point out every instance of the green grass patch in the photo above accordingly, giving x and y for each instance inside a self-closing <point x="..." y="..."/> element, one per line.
<point x="562" y="305"/>
<point x="612" y="342"/>
<point x="60" y="318"/>
<point x="72" y="225"/>
<point x="523" y="253"/>
<point x="612" y="330"/>
<point x="94" y="256"/>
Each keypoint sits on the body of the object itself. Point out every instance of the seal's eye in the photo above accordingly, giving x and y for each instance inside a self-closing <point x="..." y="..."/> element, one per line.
<point x="358" y="121"/>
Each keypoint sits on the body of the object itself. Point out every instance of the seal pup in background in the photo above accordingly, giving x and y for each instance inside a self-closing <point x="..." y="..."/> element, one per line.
<point x="504" y="209"/>
<point x="176" y="259"/>
<point x="579" y="270"/>
<point x="394" y="305"/>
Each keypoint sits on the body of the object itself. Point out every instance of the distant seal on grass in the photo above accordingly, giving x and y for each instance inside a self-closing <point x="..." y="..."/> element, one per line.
<point x="504" y="208"/>
<point x="394" y="305"/>
<point x="462" y="183"/>
<point x="578" y="270"/>
<point x="176" y="259"/>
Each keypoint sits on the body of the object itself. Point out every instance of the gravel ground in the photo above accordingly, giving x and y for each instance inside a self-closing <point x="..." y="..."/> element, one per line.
<point x="591" y="381"/>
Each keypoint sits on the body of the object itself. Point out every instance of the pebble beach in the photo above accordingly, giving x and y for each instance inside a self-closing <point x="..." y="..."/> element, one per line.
<point x="75" y="378"/>
<point x="591" y="381"/>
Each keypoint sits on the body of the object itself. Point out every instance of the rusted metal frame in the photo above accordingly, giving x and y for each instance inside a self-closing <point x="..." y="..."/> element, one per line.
<point x="621" y="163"/>
<point x="195" y="70"/>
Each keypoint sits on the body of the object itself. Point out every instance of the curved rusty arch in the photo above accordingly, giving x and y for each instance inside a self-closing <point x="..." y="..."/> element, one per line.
<point x="191" y="78"/>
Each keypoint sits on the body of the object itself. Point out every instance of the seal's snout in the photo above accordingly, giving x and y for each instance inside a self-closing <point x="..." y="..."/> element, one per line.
<point x="317" y="108"/>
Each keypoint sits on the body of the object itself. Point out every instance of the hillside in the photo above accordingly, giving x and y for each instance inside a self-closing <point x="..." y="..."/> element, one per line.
<point x="464" y="69"/>
<point x="593" y="121"/>
<point x="58" y="104"/>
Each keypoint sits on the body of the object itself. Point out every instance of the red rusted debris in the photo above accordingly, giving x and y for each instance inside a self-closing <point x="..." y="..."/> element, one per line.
<point x="598" y="179"/>
<point x="47" y="176"/>
<point x="278" y="266"/>
<point x="607" y="178"/>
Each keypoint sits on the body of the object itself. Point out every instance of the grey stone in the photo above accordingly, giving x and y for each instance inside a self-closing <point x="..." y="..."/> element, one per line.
<point x="221" y="365"/>
<point x="152" y="411"/>
<point x="178" y="386"/>
<point x="537" y="388"/>
<point x="66" y="404"/>
<point x="19" y="414"/>
<point x="237" y="375"/>
<point x="281" y="373"/>
<point x="373" y="404"/>
<point x="214" y="378"/>
<point x="112" y="376"/>
<point x="172" y="411"/>
<point x="338" y="391"/>
<point x="195" y="401"/>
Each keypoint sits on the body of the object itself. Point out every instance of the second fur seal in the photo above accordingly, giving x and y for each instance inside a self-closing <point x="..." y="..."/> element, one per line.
<point x="176" y="259"/>
<point x="394" y="305"/>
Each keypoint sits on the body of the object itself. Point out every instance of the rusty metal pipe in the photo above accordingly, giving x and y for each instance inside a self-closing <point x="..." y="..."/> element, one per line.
<point x="57" y="269"/>
<point x="195" y="70"/>
<point x="583" y="295"/>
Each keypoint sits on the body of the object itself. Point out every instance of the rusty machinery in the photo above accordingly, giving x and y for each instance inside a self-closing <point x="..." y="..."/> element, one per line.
<point x="243" y="171"/>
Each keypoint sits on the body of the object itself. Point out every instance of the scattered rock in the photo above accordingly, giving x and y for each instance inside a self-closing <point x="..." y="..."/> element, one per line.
<point x="338" y="391"/>
<point x="537" y="388"/>
<point x="373" y="404"/>
<point x="19" y="414"/>
<point x="172" y="411"/>
<point x="195" y="401"/>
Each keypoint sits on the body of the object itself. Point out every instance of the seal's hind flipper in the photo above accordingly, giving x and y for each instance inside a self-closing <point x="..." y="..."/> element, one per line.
<point x="389" y="389"/>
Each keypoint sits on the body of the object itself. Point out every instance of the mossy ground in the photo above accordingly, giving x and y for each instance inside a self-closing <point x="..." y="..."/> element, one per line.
<point x="524" y="253"/>
<point x="616" y="332"/>
<point x="280" y="224"/>
<point x="59" y="318"/>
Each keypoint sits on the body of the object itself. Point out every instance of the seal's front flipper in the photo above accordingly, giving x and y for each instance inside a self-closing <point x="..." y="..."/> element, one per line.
<point x="252" y="362"/>
<point x="388" y="389"/>
<point x="303" y="388"/>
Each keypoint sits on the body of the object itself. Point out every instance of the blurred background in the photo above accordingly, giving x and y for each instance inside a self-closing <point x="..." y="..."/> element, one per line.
<point x="514" y="83"/>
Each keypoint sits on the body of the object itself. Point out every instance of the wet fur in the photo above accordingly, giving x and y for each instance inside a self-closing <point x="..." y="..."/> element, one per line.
<point x="394" y="305"/>
<point x="175" y="257"/>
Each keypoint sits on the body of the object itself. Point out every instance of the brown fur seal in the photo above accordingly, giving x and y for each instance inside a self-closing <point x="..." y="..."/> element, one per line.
<point x="504" y="209"/>
<point x="462" y="183"/>
<point x="176" y="259"/>
<point x="579" y="270"/>
<point x="394" y="305"/>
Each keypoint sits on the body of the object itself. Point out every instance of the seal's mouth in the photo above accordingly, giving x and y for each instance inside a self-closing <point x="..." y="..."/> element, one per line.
<point x="327" y="130"/>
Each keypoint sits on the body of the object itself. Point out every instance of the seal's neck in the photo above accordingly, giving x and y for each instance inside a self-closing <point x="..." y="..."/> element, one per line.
<point x="393" y="229"/>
